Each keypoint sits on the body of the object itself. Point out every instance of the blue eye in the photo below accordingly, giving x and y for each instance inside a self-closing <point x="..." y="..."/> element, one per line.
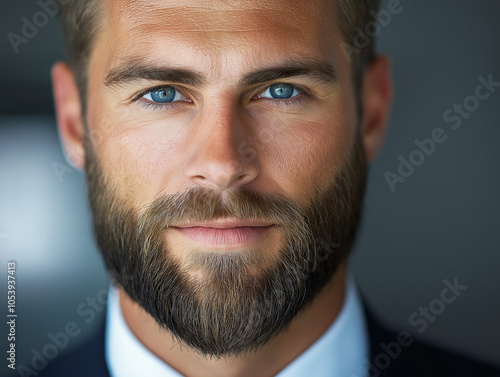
<point x="280" y="91"/>
<point x="165" y="94"/>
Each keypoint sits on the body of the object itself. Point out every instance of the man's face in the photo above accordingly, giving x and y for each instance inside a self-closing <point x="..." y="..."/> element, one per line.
<point x="222" y="109"/>
<point x="221" y="136"/>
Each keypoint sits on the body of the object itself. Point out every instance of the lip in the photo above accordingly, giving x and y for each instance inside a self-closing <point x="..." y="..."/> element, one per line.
<point x="225" y="233"/>
<point x="226" y="223"/>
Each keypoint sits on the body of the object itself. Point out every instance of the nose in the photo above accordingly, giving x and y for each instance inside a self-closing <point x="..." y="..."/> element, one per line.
<point x="219" y="157"/>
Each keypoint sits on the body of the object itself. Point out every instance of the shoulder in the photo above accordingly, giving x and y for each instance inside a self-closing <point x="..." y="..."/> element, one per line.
<point x="400" y="355"/>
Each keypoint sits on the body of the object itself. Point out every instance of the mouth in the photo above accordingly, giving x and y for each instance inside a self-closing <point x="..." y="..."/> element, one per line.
<point x="225" y="233"/>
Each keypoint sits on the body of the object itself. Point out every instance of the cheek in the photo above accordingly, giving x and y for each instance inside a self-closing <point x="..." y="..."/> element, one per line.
<point x="145" y="160"/>
<point x="138" y="156"/>
<point x="309" y="153"/>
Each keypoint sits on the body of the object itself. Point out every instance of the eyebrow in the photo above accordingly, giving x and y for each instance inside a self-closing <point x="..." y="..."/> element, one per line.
<point x="319" y="71"/>
<point x="135" y="70"/>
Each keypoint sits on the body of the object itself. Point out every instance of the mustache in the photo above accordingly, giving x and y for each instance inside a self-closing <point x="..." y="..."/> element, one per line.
<point x="199" y="204"/>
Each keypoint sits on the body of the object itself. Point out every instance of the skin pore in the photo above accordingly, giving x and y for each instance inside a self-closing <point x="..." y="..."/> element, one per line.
<point x="222" y="58"/>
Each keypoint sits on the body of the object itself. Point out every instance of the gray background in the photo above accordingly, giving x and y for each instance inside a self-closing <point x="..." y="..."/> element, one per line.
<point x="441" y="223"/>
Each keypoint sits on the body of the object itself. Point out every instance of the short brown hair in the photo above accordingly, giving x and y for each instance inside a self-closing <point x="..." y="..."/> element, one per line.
<point x="353" y="16"/>
<point x="81" y="23"/>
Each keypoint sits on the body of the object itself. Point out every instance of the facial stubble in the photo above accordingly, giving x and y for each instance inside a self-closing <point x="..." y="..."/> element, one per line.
<point x="243" y="298"/>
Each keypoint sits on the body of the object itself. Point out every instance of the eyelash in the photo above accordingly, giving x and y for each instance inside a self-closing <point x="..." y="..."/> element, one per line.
<point x="155" y="106"/>
<point x="289" y="102"/>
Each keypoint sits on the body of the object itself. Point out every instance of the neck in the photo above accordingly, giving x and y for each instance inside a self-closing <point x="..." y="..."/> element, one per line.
<point x="304" y="330"/>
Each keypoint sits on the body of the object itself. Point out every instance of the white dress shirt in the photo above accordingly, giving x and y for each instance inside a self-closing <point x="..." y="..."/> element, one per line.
<point x="341" y="351"/>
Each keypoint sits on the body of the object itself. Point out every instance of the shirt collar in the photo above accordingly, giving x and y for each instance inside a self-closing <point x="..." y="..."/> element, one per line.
<point x="340" y="352"/>
<point x="126" y="356"/>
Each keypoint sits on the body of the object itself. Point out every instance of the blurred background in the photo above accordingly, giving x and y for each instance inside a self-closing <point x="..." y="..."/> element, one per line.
<point x="438" y="221"/>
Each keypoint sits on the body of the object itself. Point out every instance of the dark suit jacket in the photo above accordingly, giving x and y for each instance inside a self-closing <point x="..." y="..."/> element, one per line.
<point x="386" y="360"/>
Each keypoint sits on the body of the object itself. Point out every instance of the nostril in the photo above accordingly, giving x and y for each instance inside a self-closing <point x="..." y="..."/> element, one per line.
<point x="221" y="172"/>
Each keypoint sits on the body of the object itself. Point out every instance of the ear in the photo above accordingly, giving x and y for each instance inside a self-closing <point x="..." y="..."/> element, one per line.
<point x="376" y="100"/>
<point x="69" y="117"/>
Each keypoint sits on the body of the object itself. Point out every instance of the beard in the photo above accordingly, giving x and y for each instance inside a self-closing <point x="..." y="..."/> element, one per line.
<point x="242" y="298"/>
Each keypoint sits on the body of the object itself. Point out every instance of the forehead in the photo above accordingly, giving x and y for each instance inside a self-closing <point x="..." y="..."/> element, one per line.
<point x="214" y="31"/>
